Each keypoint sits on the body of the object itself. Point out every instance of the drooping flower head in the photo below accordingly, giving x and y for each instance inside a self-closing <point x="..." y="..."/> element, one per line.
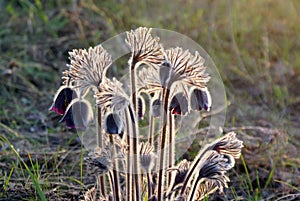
<point x="179" y="104"/>
<point x="147" y="156"/>
<point x="98" y="162"/>
<point x="213" y="168"/>
<point x="114" y="100"/>
<point x="113" y="123"/>
<point x="178" y="175"/>
<point x="228" y="145"/>
<point x="156" y="105"/>
<point x="211" y="164"/>
<point x="62" y="99"/>
<point x="79" y="114"/>
<point x="200" y="99"/>
<point x="111" y="95"/>
<point x="141" y="107"/>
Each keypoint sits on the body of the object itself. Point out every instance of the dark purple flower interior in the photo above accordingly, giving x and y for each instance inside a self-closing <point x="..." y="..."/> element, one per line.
<point x="156" y="104"/>
<point x="164" y="73"/>
<point x="199" y="100"/>
<point x="68" y="118"/>
<point x="141" y="108"/>
<point x="78" y="115"/>
<point x="179" y="104"/>
<point x="62" y="101"/>
<point x="113" y="124"/>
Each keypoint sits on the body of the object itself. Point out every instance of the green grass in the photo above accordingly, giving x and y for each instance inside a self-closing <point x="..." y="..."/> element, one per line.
<point x="33" y="176"/>
<point x="254" y="44"/>
<point x="6" y="180"/>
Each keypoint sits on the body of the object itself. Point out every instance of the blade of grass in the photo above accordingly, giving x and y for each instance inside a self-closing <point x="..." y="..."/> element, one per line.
<point x="233" y="191"/>
<point x="15" y="133"/>
<point x="258" y="192"/>
<point x="8" y="178"/>
<point x="76" y="180"/>
<point x="257" y="181"/>
<point x="287" y="184"/>
<point x="270" y="176"/>
<point x="32" y="177"/>
<point x="247" y="172"/>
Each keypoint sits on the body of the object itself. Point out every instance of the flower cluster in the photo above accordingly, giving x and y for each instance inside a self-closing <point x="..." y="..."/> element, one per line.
<point x="165" y="84"/>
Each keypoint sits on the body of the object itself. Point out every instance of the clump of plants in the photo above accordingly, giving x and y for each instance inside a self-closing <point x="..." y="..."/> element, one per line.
<point x="130" y="162"/>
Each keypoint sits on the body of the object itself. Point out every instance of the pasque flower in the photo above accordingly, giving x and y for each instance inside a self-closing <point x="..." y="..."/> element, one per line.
<point x="113" y="124"/>
<point x="179" y="104"/>
<point x="79" y="114"/>
<point x="180" y="65"/>
<point x="145" y="49"/>
<point x="170" y="82"/>
<point x="62" y="99"/>
<point x="147" y="156"/>
<point x="112" y="96"/>
<point x="213" y="168"/>
<point x="88" y="67"/>
<point x="98" y="162"/>
<point x="200" y="99"/>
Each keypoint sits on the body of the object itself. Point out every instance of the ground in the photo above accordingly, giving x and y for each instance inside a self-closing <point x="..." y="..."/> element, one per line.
<point x="254" y="44"/>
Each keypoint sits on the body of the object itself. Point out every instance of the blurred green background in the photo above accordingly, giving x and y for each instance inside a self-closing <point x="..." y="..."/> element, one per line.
<point x="254" y="44"/>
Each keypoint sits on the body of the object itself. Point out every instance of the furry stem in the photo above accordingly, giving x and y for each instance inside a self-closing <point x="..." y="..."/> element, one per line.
<point x="149" y="182"/>
<point x="164" y="113"/>
<point x="188" y="177"/>
<point x="151" y="126"/>
<point x="129" y="189"/>
<point x="116" y="188"/>
<point x="171" y="146"/>
<point x="135" y="129"/>
<point x="100" y="145"/>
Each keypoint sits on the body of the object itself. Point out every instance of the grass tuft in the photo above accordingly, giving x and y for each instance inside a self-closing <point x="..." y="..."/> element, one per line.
<point x="32" y="176"/>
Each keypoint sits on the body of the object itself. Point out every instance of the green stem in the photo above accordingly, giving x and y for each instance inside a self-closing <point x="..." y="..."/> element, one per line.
<point x="161" y="171"/>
